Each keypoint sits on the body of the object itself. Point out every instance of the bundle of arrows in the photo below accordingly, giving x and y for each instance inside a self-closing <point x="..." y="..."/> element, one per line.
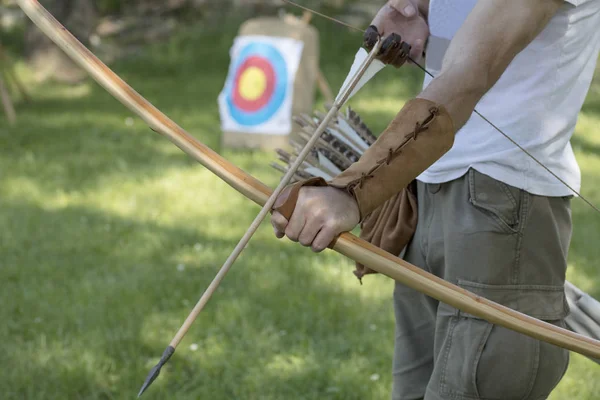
<point x="343" y="142"/>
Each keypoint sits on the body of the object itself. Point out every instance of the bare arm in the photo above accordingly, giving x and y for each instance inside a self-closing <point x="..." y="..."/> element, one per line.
<point x="493" y="34"/>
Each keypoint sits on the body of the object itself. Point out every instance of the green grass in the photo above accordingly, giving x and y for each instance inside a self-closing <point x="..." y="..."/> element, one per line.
<point x="109" y="235"/>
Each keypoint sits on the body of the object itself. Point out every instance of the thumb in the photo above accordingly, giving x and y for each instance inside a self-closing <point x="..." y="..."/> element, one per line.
<point x="404" y="7"/>
<point x="283" y="197"/>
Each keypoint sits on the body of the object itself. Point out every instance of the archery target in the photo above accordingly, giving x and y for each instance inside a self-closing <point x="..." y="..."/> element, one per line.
<point x="257" y="96"/>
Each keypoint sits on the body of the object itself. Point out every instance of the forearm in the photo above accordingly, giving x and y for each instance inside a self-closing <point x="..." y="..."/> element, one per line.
<point x="459" y="90"/>
<point x="493" y="34"/>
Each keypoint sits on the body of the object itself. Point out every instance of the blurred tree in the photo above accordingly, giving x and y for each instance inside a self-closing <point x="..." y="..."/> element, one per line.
<point x="118" y="28"/>
<point x="80" y="17"/>
<point x="110" y="6"/>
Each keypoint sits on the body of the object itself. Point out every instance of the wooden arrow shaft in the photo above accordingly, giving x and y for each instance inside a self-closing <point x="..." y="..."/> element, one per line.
<point x="266" y="208"/>
<point x="348" y="245"/>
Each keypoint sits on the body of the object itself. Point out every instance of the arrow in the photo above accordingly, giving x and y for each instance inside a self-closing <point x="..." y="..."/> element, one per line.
<point x="346" y="92"/>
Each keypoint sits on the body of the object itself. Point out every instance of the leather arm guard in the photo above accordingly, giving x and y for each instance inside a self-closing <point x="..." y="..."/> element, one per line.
<point x="419" y="135"/>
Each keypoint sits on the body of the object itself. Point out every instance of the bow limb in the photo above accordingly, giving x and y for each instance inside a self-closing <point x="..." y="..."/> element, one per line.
<point x="347" y="244"/>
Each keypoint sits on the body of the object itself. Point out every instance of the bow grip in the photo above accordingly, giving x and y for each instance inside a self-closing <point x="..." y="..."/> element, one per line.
<point x="289" y="196"/>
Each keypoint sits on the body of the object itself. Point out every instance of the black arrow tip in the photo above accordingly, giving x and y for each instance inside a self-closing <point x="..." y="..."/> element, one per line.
<point x="154" y="372"/>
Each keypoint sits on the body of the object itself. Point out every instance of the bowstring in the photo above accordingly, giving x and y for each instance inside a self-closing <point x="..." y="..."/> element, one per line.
<point x="422" y="68"/>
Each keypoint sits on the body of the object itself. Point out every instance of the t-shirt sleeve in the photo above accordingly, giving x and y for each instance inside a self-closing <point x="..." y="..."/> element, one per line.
<point x="579" y="2"/>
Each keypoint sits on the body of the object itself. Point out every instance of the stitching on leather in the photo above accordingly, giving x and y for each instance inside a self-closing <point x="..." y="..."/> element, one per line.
<point x="394" y="152"/>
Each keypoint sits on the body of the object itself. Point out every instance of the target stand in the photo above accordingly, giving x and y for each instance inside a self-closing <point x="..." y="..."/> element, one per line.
<point x="272" y="76"/>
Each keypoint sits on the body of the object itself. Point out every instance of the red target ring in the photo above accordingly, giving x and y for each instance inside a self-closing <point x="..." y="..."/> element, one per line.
<point x="252" y="105"/>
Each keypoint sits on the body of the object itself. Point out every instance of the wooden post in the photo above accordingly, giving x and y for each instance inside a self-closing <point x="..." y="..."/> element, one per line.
<point x="324" y="87"/>
<point x="8" y="75"/>
<point x="7" y="66"/>
<point x="306" y="17"/>
<point x="9" y="110"/>
<point x="322" y="83"/>
<point x="11" y="76"/>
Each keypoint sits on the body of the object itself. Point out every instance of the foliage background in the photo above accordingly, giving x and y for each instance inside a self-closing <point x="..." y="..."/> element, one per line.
<point x="108" y="236"/>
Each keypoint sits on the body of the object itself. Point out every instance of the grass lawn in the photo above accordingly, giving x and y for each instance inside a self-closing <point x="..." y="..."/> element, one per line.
<point x="109" y="235"/>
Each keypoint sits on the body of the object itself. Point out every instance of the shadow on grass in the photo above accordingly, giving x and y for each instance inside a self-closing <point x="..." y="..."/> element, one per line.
<point x="584" y="252"/>
<point x="584" y="145"/>
<point x="592" y="102"/>
<point x="112" y="298"/>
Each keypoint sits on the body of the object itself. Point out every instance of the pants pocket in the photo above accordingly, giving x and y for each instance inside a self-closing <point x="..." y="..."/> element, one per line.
<point x="478" y="360"/>
<point x="496" y="202"/>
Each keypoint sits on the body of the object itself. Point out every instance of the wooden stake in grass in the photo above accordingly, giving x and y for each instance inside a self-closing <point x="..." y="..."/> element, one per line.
<point x="9" y="109"/>
<point x="347" y="244"/>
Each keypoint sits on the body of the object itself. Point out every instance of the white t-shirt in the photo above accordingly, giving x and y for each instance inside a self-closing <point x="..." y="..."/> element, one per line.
<point x="536" y="101"/>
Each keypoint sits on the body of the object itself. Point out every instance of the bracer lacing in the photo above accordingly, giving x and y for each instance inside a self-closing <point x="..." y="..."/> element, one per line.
<point x="394" y="152"/>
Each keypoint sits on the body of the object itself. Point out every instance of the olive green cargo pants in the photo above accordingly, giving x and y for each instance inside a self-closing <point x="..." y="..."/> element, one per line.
<point x="499" y="242"/>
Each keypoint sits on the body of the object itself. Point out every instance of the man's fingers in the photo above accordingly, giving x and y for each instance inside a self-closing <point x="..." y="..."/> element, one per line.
<point x="294" y="227"/>
<point x="323" y="239"/>
<point x="401" y="55"/>
<point x="278" y="234"/>
<point x="416" y="51"/>
<point x="377" y="27"/>
<point x="279" y="223"/>
<point x="283" y="196"/>
<point x="404" y="7"/>
<point x="370" y="37"/>
<point x="390" y="43"/>
<point x="309" y="233"/>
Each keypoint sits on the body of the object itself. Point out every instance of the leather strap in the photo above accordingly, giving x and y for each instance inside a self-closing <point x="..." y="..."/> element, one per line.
<point x="289" y="196"/>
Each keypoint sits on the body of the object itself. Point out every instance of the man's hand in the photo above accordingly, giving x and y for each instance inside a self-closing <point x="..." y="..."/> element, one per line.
<point x="321" y="214"/>
<point x="403" y="17"/>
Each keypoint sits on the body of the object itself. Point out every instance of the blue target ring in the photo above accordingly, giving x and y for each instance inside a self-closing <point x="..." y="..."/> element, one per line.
<point x="272" y="100"/>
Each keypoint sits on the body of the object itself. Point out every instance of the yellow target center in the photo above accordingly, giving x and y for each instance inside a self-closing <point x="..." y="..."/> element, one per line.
<point x="253" y="83"/>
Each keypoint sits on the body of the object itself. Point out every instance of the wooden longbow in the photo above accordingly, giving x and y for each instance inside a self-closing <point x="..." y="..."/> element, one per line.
<point x="347" y="244"/>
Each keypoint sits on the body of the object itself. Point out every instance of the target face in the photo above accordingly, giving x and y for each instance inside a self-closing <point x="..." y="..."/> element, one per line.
<point x="258" y="93"/>
<point x="259" y="86"/>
